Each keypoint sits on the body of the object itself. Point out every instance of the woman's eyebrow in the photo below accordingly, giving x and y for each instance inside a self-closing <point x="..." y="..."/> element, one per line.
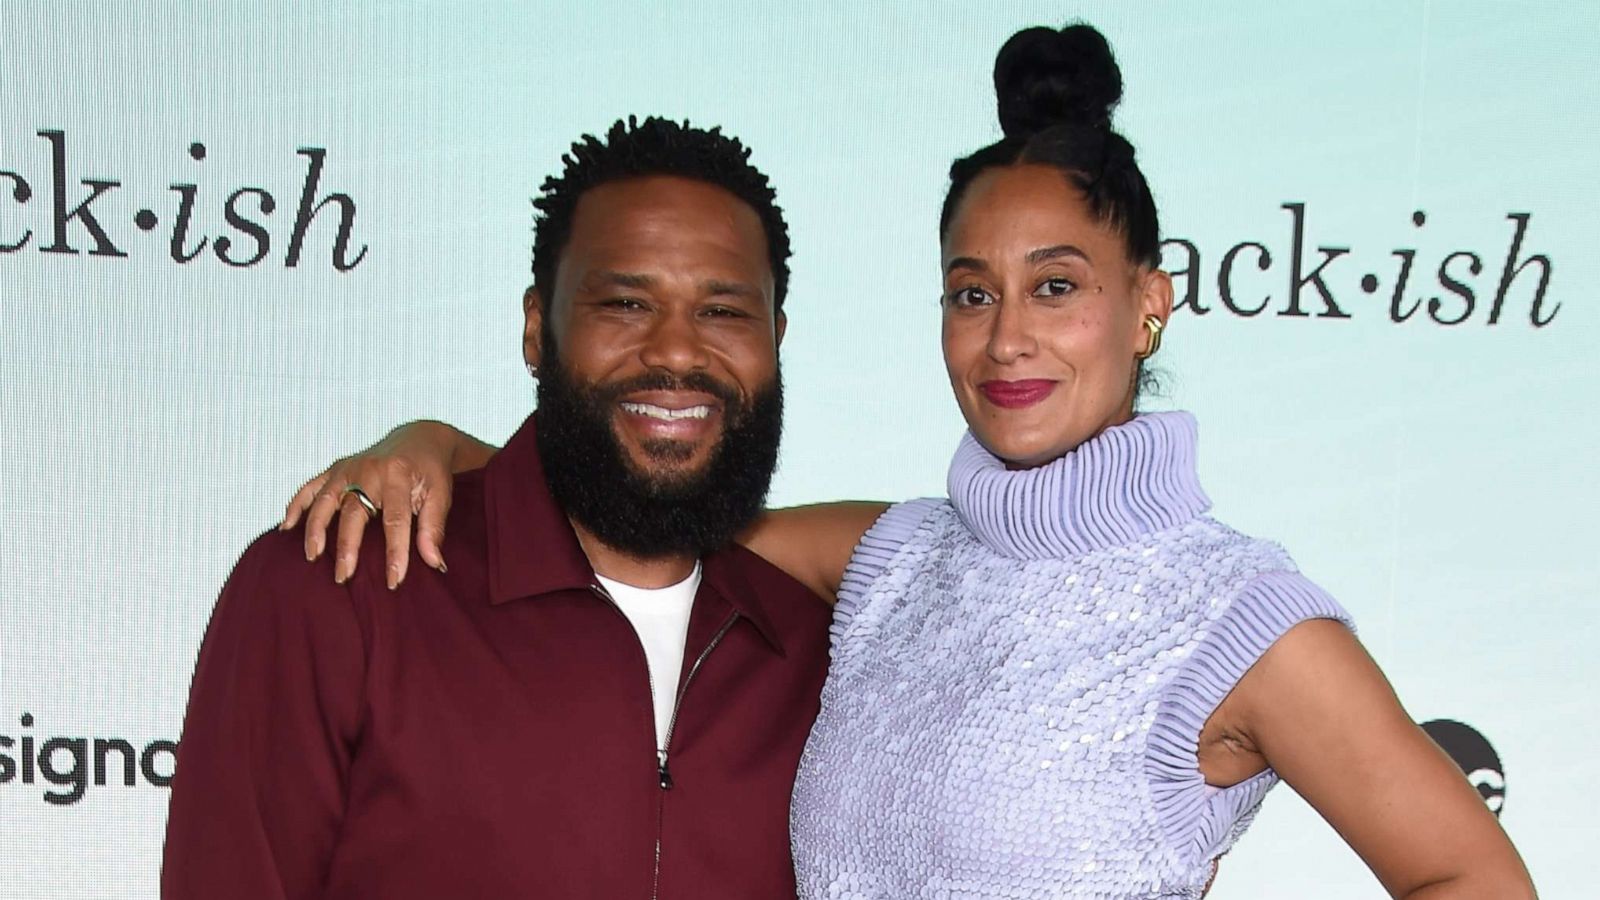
<point x="1042" y="254"/>
<point x="1058" y="251"/>
<point x="966" y="262"/>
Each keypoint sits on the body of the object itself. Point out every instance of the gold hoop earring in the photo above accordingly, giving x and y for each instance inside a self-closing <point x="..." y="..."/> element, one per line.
<point x="1153" y="344"/>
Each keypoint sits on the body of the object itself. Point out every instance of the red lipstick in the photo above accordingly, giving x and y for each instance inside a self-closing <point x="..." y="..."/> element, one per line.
<point x="1017" y="394"/>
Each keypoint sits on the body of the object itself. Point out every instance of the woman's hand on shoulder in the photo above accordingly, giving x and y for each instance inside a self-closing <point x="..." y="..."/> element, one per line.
<point x="813" y="543"/>
<point x="1322" y="714"/>
<point x="406" y="474"/>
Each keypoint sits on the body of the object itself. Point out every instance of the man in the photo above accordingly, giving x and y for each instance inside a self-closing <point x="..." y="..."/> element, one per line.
<point x="605" y="697"/>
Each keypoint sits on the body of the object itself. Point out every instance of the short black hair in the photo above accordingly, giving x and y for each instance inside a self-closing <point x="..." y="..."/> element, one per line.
<point x="640" y="149"/>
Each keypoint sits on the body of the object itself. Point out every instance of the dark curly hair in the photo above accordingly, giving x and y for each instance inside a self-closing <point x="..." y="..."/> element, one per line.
<point x="639" y="149"/>
<point x="1055" y="90"/>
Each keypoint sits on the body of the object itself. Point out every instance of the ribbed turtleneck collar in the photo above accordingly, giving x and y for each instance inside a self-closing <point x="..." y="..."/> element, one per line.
<point x="1124" y="483"/>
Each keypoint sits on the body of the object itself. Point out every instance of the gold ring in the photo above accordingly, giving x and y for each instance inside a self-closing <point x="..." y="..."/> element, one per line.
<point x="361" y="497"/>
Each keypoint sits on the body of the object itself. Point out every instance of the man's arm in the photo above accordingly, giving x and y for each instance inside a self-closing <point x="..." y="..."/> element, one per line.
<point x="274" y="712"/>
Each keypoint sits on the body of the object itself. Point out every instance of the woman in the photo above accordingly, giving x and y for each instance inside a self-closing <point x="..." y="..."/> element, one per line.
<point x="1066" y="679"/>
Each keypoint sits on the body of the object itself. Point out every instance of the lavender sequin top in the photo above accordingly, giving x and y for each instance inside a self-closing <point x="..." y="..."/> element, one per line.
<point x="1020" y="675"/>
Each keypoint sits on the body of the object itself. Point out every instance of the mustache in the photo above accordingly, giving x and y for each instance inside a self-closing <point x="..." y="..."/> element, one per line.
<point x="733" y="402"/>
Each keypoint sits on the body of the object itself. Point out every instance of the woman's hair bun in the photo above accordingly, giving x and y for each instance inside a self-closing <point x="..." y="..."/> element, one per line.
<point x="1045" y="77"/>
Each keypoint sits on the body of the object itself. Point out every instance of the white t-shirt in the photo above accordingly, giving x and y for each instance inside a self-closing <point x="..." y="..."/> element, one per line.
<point x="661" y="618"/>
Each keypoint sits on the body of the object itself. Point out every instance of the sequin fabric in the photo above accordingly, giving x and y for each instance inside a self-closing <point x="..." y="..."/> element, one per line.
<point x="1020" y="675"/>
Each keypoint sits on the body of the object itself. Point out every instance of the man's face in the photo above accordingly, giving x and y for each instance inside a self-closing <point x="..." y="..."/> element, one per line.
<point x="665" y="275"/>
<point x="659" y="400"/>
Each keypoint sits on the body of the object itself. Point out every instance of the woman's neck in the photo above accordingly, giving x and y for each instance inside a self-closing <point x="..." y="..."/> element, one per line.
<point x="1130" y="480"/>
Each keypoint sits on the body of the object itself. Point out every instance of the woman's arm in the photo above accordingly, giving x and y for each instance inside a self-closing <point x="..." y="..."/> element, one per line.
<point x="1319" y="711"/>
<point x="406" y="474"/>
<point x="813" y="543"/>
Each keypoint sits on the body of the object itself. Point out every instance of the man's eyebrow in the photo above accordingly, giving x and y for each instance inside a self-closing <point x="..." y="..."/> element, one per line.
<point x="613" y="278"/>
<point x="719" y="288"/>
<point x="1059" y="250"/>
<point x="966" y="262"/>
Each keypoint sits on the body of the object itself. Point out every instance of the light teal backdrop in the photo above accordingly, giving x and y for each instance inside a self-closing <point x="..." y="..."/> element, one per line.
<point x="1440" y="480"/>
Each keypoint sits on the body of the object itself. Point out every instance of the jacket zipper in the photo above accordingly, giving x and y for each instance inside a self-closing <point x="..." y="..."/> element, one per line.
<point x="672" y="723"/>
<point x="663" y="773"/>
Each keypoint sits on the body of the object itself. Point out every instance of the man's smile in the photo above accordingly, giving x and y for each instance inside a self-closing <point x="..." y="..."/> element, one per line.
<point x="688" y="416"/>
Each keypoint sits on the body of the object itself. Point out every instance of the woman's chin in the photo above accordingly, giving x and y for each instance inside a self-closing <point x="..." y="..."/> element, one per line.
<point x="1021" y="451"/>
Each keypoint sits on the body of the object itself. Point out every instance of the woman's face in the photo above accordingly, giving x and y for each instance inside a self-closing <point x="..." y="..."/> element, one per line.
<point x="1043" y="315"/>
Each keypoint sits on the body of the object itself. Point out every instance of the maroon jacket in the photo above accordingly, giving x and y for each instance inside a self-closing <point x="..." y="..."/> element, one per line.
<point x="488" y="733"/>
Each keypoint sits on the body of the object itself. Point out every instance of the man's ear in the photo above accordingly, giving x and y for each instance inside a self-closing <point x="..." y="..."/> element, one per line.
<point x="532" y="325"/>
<point x="781" y="325"/>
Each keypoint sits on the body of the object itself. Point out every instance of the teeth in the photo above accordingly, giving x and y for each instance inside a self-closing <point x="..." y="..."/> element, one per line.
<point x="661" y="412"/>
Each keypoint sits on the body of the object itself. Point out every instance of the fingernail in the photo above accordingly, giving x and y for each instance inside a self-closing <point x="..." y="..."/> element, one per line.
<point x="443" y="569"/>
<point x="394" y="576"/>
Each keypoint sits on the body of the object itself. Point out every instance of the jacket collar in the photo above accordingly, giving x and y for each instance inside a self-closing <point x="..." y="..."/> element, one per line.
<point x="534" y="551"/>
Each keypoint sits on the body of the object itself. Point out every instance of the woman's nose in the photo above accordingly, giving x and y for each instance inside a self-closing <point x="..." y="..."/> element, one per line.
<point x="1010" y="333"/>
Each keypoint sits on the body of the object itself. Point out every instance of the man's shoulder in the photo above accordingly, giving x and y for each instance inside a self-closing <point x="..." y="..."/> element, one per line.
<point x="469" y="484"/>
<point x="463" y="526"/>
<point x="278" y="556"/>
<point x="468" y="494"/>
<point x="756" y="569"/>
<point x="787" y="602"/>
<point x="273" y="585"/>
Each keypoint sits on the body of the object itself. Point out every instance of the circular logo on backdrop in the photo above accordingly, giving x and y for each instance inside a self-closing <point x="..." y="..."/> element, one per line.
<point x="1476" y="757"/>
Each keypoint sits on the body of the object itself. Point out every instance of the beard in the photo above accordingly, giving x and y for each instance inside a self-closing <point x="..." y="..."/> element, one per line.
<point x="652" y="514"/>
